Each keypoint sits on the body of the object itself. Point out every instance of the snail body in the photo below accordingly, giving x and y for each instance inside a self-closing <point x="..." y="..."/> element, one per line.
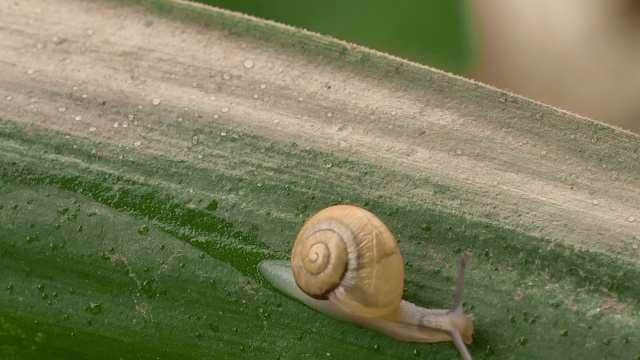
<point x="346" y="263"/>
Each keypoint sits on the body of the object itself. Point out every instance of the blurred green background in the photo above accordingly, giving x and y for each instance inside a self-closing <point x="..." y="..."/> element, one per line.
<point x="435" y="33"/>
<point x="553" y="52"/>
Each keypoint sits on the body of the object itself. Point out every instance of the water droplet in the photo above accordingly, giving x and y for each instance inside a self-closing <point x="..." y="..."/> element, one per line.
<point x="94" y="308"/>
<point x="214" y="327"/>
<point x="213" y="205"/>
<point x="224" y="109"/>
<point x="147" y="286"/>
<point x="248" y="64"/>
<point x="144" y="230"/>
<point x="488" y="351"/>
<point x="302" y="208"/>
<point x="631" y="219"/>
<point x="155" y="101"/>
<point x="226" y="76"/>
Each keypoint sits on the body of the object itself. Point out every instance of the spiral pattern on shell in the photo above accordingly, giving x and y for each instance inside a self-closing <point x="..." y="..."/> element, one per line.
<point x="346" y="254"/>
<point x="323" y="256"/>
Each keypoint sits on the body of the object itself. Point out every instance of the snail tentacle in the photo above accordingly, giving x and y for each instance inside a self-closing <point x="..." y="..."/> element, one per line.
<point x="347" y="263"/>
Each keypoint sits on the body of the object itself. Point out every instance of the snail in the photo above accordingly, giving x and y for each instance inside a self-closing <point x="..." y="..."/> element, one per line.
<point x="346" y="263"/>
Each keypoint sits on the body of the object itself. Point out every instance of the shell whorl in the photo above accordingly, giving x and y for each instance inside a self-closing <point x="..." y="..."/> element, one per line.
<point x="346" y="254"/>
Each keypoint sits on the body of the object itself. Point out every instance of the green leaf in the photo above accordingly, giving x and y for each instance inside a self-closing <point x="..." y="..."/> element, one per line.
<point x="152" y="153"/>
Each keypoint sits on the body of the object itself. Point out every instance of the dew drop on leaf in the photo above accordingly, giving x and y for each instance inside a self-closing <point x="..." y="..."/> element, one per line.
<point x="94" y="308"/>
<point x="213" y="205"/>
<point x="214" y="327"/>
<point x="144" y="230"/>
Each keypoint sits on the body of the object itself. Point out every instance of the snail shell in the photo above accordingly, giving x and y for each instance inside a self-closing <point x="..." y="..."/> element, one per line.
<point x="346" y="263"/>
<point x="346" y="254"/>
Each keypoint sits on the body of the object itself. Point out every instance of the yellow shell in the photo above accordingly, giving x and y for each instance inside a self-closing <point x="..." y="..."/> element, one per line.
<point x="348" y="255"/>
